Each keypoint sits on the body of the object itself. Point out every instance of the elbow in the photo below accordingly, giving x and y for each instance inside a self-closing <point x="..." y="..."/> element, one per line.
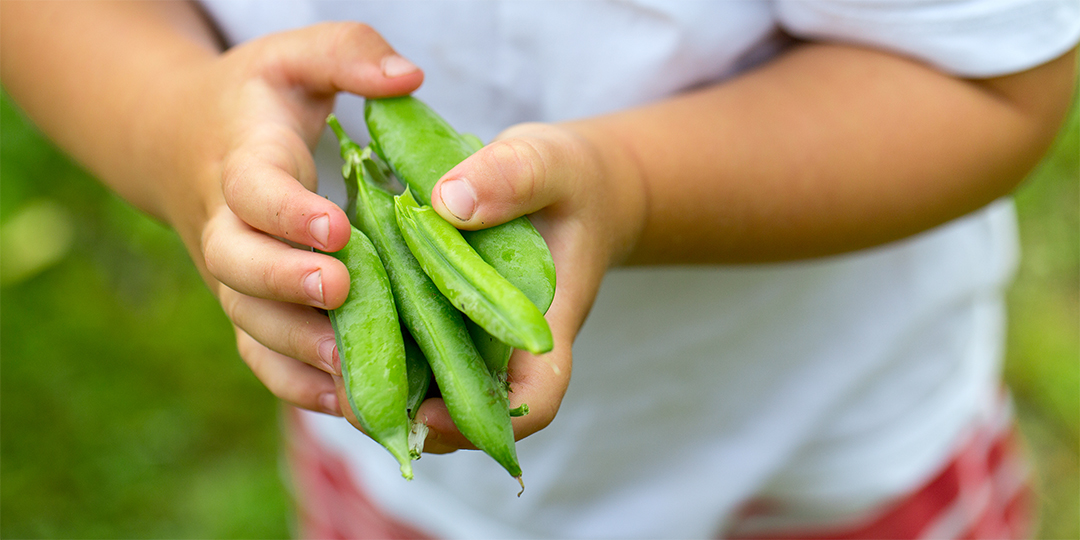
<point x="1039" y="101"/>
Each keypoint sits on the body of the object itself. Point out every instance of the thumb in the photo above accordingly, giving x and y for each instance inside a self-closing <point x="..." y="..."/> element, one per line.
<point x="333" y="57"/>
<point x="513" y="176"/>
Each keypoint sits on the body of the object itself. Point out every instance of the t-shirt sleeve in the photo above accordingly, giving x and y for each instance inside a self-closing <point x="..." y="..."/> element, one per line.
<point x="968" y="38"/>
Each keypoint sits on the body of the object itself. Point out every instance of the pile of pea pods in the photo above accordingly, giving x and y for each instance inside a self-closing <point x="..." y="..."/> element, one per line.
<point x="428" y="301"/>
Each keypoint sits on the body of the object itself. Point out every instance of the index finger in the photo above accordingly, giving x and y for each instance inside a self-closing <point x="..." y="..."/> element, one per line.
<point x="262" y="185"/>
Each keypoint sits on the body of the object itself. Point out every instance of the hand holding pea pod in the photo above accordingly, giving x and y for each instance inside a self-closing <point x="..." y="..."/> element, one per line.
<point x="404" y="128"/>
<point x="557" y="176"/>
<point x="233" y="173"/>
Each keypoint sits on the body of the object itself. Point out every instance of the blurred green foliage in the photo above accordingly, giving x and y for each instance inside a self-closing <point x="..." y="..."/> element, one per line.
<point x="1043" y="361"/>
<point x="126" y="412"/>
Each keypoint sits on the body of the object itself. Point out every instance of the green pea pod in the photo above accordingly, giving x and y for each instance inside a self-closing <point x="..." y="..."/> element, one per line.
<point x="372" y="351"/>
<point x="514" y="248"/>
<point x="472" y="141"/>
<point x="474" y="398"/>
<point x="511" y="249"/>
<point x="495" y="352"/>
<point x="471" y="284"/>
<point x="418" y="373"/>
<point x="420" y="147"/>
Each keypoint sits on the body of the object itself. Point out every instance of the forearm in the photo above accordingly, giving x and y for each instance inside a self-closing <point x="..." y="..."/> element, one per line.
<point x="102" y="80"/>
<point x="826" y="150"/>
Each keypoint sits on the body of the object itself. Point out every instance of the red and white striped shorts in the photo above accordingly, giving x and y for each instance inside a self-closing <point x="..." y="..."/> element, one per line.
<point x="983" y="492"/>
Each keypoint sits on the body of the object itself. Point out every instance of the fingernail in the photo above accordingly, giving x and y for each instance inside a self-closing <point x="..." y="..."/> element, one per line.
<point x="396" y="66"/>
<point x="313" y="286"/>
<point x="329" y="403"/>
<point x="319" y="228"/>
<point x="459" y="199"/>
<point x="328" y="354"/>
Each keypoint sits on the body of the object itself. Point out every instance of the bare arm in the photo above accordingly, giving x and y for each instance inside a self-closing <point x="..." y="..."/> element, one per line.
<point x="827" y="149"/>
<point x="831" y="149"/>
<point x="97" y="77"/>
<point x="217" y="144"/>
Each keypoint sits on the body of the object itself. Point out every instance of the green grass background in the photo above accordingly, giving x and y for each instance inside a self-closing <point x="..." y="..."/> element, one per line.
<point x="125" y="411"/>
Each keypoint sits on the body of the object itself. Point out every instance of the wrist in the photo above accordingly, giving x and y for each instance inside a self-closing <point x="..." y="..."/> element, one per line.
<point x="618" y="182"/>
<point x="175" y="143"/>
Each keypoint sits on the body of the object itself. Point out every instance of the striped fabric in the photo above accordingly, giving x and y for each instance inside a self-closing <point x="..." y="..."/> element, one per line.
<point x="982" y="493"/>
<point x="329" y="503"/>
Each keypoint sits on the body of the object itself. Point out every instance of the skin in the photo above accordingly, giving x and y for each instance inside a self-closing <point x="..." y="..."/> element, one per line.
<point x="772" y="165"/>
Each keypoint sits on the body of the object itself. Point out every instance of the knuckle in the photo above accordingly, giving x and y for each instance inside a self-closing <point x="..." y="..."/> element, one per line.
<point x="280" y="213"/>
<point x="259" y="361"/>
<point x="276" y="372"/>
<point x="347" y="35"/>
<point x="519" y="166"/>
<point x="231" y="303"/>
<point x="233" y="172"/>
<point x="247" y="349"/>
<point x="297" y="345"/>
<point x="208" y="246"/>
<point x="274" y="277"/>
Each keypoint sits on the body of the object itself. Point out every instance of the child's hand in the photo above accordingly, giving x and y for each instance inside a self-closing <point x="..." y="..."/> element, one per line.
<point x="251" y="117"/>
<point x="564" y="181"/>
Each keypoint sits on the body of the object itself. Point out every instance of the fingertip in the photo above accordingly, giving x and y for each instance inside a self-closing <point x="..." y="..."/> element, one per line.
<point x="500" y="182"/>
<point x="387" y="78"/>
<point x="346" y="56"/>
<point x="313" y="286"/>
<point x="335" y="284"/>
<point x="400" y="76"/>
<point x="443" y="435"/>
<point x="395" y="65"/>
<point x="329" y="403"/>
<point x="330" y="230"/>
<point x="319" y="229"/>
<point x="455" y="200"/>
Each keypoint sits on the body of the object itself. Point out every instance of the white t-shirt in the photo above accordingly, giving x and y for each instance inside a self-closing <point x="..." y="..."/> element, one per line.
<point x="830" y="385"/>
